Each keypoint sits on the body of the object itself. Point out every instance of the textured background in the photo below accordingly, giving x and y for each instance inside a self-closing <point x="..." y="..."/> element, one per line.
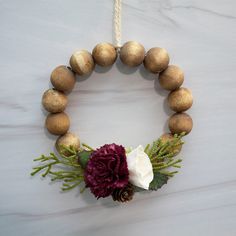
<point x="120" y="106"/>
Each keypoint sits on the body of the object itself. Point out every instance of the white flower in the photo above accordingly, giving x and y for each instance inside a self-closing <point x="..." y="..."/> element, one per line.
<point x="140" y="168"/>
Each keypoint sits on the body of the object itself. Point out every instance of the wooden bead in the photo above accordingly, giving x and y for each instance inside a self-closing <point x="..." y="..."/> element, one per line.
<point x="54" y="101"/>
<point x="82" y="62"/>
<point x="171" y="78"/>
<point x="132" y="53"/>
<point x="180" y="122"/>
<point x="58" y="123"/>
<point x="180" y="100"/>
<point x="63" y="78"/>
<point x="104" y="54"/>
<point x="156" y="60"/>
<point x="168" y="138"/>
<point x="67" y="140"/>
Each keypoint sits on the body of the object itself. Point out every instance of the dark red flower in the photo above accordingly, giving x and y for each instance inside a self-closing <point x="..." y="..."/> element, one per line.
<point x="106" y="170"/>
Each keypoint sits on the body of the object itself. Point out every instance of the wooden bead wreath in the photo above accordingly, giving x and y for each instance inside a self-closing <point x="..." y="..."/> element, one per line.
<point x="113" y="170"/>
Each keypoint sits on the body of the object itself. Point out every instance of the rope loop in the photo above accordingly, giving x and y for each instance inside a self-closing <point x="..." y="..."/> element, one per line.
<point x="117" y="23"/>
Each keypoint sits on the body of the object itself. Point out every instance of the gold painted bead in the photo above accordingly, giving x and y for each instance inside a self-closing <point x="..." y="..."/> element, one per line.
<point x="54" y="101"/>
<point x="58" y="123"/>
<point x="180" y="122"/>
<point x="104" y="54"/>
<point x="180" y="100"/>
<point x="82" y="62"/>
<point x="63" y="78"/>
<point x="67" y="140"/>
<point x="132" y="53"/>
<point x="156" y="60"/>
<point x="168" y="138"/>
<point x="171" y="78"/>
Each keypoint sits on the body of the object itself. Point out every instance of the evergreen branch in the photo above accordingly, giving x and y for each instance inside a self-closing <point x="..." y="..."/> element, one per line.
<point x="66" y="187"/>
<point x="147" y="148"/>
<point x="162" y="154"/>
<point x="87" y="147"/>
<point x="168" y="173"/>
<point x="66" y="151"/>
<point x="171" y="164"/>
<point x="72" y="176"/>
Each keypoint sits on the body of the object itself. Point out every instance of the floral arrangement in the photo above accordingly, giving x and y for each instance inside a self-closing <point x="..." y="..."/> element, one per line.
<point x="113" y="170"/>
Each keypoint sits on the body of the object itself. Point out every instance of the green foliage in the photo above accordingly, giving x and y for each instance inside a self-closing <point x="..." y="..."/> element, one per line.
<point x="162" y="155"/>
<point x="158" y="181"/>
<point x="69" y="166"/>
<point x="64" y="168"/>
<point x="66" y="151"/>
<point x="83" y="157"/>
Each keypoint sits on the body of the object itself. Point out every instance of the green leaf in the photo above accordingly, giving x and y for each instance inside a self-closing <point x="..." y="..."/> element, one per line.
<point x="84" y="157"/>
<point x="158" y="181"/>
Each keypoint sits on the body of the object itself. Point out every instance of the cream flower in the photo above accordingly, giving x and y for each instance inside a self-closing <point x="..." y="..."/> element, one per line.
<point x="140" y="168"/>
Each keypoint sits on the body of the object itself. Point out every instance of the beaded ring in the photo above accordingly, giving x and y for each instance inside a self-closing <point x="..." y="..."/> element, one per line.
<point x="113" y="170"/>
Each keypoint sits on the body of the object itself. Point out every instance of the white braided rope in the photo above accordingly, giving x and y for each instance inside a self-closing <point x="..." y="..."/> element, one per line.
<point x="117" y="23"/>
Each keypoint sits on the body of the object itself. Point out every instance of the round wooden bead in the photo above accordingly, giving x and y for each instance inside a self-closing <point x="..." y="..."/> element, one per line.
<point x="54" y="101"/>
<point x="168" y="138"/>
<point x="132" y="53"/>
<point x="82" y="62"/>
<point x="58" y="123"/>
<point x="180" y="122"/>
<point x="171" y="78"/>
<point x="156" y="60"/>
<point x="63" y="78"/>
<point x="180" y="100"/>
<point x="67" y="140"/>
<point x="104" y="54"/>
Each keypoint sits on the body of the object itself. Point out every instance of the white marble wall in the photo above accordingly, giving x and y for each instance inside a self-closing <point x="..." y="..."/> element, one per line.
<point x="120" y="106"/>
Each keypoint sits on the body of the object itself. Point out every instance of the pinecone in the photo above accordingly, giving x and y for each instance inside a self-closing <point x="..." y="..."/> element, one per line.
<point x="123" y="194"/>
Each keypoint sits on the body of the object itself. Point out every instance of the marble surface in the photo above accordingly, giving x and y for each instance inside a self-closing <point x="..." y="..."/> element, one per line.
<point x="123" y="106"/>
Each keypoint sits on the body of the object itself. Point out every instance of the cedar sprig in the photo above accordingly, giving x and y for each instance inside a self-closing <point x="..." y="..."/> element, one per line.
<point x="64" y="167"/>
<point x="162" y="155"/>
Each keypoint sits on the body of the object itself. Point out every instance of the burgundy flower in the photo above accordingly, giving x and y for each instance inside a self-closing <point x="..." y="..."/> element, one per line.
<point x="106" y="170"/>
